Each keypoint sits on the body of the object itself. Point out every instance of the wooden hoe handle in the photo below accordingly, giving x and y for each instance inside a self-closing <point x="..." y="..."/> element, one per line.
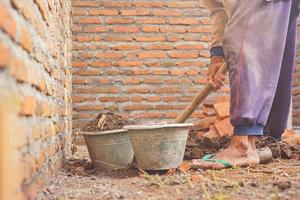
<point x="186" y="113"/>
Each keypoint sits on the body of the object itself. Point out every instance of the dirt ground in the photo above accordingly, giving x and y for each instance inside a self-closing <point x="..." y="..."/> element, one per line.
<point x="78" y="180"/>
<point x="275" y="181"/>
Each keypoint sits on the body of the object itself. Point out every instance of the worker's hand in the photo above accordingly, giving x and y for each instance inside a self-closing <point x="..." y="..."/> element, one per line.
<point x="214" y="78"/>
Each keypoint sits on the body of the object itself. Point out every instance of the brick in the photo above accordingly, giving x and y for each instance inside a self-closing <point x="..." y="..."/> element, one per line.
<point x="80" y="3"/>
<point x="169" y="12"/>
<point x="160" y="72"/>
<point x="150" y="29"/>
<point x="89" y="107"/>
<point x="119" y="38"/>
<point x="181" y="4"/>
<point x="131" y="81"/>
<point x="116" y="4"/>
<point x="43" y="7"/>
<point x="167" y="90"/>
<point x="136" y="99"/>
<point x="153" y="98"/>
<point x="199" y="29"/>
<point x="153" y="54"/>
<point x="291" y="137"/>
<point x="135" y="12"/>
<point x="104" y="12"/>
<point x="129" y="63"/>
<point x="172" y="29"/>
<point x="82" y="99"/>
<point x="25" y="39"/>
<point x="7" y="22"/>
<point x="116" y="20"/>
<point x="156" y="38"/>
<point x="88" y="20"/>
<point x="100" y="64"/>
<point x="190" y="47"/>
<point x="127" y="47"/>
<point x="91" y="72"/>
<point x="224" y="127"/>
<point x="183" y="21"/>
<point x="151" y="80"/>
<point x="82" y="38"/>
<point x="212" y="133"/>
<point x="183" y="54"/>
<point x="209" y="111"/>
<point x="222" y="109"/>
<point x="140" y="89"/>
<point x="126" y="29"/>
<point x="111" y="54"/>
<point x="154" y="4"/>
<point x="150" y="21"/>
<point x="113" y="99"/>
<point x="5" y="55"/>
<point x="19" y="70"/>
<point x="96" y="29"/>
<point x="212" y="100"/>
<point x="45" y="109"/>
<point x="29" y="105"/>
<point x="79" y="64"/>
<point x="205" y="123"/>
<point x="174" y="38"/>
<point x="159" y="47"/>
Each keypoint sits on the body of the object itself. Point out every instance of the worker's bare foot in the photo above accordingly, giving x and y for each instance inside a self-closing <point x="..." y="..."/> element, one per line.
<point x="240" y="153"/>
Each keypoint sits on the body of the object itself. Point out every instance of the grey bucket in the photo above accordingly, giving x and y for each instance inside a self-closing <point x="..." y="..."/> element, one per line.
<point x="109" y="149"/>
<point x="158" y="147"/>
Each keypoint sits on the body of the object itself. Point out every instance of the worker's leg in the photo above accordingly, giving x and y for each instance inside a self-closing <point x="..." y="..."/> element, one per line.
<point x="254" y="45"/>
<point x="278" y="117"/>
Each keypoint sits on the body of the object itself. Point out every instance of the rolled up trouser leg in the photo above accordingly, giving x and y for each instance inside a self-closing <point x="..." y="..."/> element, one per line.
<point x="254" y="43"/>
<point x="278" y="117"/>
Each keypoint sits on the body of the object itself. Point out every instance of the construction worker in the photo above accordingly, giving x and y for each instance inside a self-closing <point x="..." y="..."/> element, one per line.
<point x="257" y="40"/>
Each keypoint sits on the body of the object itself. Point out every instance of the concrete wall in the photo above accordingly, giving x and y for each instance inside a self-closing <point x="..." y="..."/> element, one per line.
<point x="35" y="85"/>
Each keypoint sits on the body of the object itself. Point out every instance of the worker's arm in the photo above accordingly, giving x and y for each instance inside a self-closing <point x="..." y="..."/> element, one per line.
<point x="219" y="20"/>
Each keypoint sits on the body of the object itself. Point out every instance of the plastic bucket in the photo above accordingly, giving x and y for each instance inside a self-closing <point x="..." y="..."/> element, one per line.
<point x="109" y="149"/>
<point x="159" y="147"/>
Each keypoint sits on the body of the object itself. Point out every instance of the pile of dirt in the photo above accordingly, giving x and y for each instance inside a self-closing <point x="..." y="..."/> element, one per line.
<point x="106" y="121"/>
<point x="197" y="147"/>
<point x="280" y="149"/>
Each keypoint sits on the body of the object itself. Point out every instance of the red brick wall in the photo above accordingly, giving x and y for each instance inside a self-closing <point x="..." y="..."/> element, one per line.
<point x="145" y="60"/>
<point x="296" y="89"/>
<point x="35" y="85"/>
<point x="142" y="59"/>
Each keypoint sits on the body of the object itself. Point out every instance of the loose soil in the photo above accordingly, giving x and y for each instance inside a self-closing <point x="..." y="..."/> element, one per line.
<point x="112" y="122"/>
<point x="197" y="148"/>
<point x="275" y="181"/>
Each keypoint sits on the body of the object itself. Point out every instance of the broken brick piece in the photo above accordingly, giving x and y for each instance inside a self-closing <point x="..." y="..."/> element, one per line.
<point x="212" y="133"/>
<point x="209" y="111"/>
<point x="205" y="123"/>
<point x="185" y="166"/>
<point x="215" y="99"/>
<point x="222" y="109"/>
<point x="224" y="127"/>
<point x="291" y="137"/>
